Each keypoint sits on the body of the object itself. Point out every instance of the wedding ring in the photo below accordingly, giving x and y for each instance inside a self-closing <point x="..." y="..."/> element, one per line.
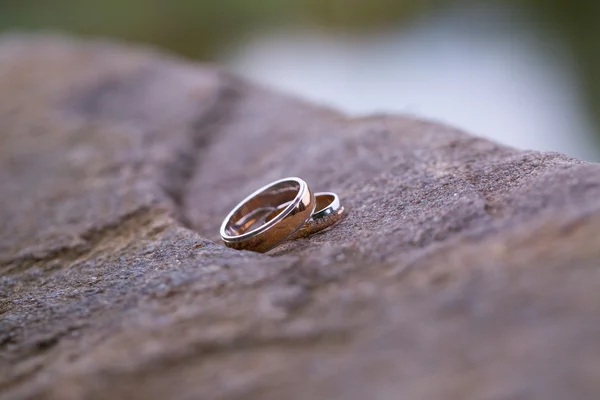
<point x="328" y="211"/>
<point x="246" y="227"/>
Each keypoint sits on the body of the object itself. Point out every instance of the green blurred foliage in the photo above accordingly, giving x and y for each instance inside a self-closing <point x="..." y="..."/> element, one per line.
<point x="197" y="28"/>
<point x="578" y="22"/>
<point x="190" y="27"/>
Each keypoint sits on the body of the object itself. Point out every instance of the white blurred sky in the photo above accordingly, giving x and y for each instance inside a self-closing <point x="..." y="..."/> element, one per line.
<point x="482" y="70"/>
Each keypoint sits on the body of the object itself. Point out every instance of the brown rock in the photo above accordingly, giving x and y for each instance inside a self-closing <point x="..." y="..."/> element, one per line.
<point x="463" y="270"/>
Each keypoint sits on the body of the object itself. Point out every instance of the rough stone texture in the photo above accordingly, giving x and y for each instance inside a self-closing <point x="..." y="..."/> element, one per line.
<point x="463" y="270"/>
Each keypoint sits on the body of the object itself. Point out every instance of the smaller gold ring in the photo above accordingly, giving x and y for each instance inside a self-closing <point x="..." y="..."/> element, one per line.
<point x="245" y="228"/>
<point x="328" y="212"/>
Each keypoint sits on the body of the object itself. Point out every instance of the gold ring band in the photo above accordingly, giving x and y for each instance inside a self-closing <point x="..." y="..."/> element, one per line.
<point x="328" y="212"/>
<point x="245" y="228"/>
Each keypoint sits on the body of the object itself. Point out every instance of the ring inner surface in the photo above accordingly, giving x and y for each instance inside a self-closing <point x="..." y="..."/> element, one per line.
<point x="253" y="212"/>
<point x="323" y="201"/>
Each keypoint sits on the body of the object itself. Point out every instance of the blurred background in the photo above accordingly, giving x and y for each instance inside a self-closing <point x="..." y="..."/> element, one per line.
<point x="522" y="72"/>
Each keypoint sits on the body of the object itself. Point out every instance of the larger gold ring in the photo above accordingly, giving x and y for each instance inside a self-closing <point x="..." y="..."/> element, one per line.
<point x="245" y="227"/>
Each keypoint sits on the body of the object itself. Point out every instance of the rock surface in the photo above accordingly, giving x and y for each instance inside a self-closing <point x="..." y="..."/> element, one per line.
<point x="463" y="270"/>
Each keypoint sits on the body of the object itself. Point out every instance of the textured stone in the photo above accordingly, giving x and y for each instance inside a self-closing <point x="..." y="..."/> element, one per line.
<point x="464" y="269"/>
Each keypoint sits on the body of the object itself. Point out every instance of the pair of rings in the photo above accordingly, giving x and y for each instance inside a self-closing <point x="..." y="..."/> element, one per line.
<point x="282" y="210"/>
